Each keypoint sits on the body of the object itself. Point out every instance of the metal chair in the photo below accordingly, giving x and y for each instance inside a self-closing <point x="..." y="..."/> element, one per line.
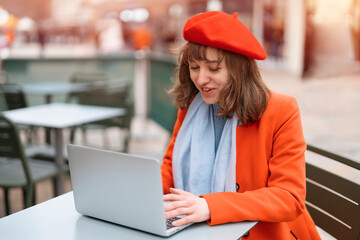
<point x="16" y="170"/>
<point x="333" y="201"/>
<point x="14" y="98"/>
<point x="107" y="93"/>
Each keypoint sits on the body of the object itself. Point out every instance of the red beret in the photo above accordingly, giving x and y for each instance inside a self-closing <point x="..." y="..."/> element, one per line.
<point x="221" y="30"/>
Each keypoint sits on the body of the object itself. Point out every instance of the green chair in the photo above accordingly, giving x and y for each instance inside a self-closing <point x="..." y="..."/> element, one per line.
<point x="14" y="98"/>
<point x="107" y="93"/>
<point x="332" y="200"/>
<point x="16" y="170"/>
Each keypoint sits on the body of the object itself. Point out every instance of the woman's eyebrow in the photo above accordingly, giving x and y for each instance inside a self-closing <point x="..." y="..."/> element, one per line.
<point x="211" y="61"/>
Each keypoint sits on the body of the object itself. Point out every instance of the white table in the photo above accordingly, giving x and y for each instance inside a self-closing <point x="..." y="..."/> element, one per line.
<point x="59" y="116"/>
<point x="48" y="89"/>
<point x="58" y="219"/>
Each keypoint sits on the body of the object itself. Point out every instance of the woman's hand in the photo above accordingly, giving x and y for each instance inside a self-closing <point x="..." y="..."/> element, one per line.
<point x="185" y="203"/>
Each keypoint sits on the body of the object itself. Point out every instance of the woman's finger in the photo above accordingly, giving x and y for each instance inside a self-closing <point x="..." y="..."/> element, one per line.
<point x="174" y="205"/>
<point x="177" y="212"/>
<point x="182" y="201"/>
<point x="184" y="220"/>
<point x="179" y="191"/>
<point x="171" y="197"/>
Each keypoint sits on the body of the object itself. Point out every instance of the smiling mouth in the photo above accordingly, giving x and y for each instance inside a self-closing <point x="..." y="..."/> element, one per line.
<point x="207" y="90"/>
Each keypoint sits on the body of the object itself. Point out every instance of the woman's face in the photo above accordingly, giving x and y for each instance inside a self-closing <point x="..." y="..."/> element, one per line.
<point x="209" y="76"/>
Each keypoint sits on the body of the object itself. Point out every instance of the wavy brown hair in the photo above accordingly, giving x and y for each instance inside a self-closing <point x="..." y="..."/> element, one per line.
<point x="246" y="95"/>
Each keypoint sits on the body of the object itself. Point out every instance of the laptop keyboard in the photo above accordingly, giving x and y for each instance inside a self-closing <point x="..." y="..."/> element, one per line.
<point x="169" y="222"/>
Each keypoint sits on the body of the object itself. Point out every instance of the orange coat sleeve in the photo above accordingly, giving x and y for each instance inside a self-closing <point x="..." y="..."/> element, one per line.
<point x="281" y="197"/>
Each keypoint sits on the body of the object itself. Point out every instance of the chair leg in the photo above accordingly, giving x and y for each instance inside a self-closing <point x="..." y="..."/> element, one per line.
<point x="54" y="186"/>
<point x="34" y="135"/>
<point x="24" y="196"/>
<point x="29" y="196"/>
<point x="7" y="202"/>
<point x="126" y="141"/>
<point x="28" y="134"/>
<point x="48" y="135"/>
<point x="72" y="135"/>
<point x="33" y="199"/>
<point x="83" y="128"/>
<point x="105" y="138"/>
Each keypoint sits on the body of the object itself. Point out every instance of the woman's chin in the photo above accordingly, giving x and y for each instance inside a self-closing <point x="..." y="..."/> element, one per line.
<point x="210" y="99"/>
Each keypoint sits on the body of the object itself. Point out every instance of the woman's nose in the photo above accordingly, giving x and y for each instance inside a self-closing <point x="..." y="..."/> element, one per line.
<point x="203" y="77"/>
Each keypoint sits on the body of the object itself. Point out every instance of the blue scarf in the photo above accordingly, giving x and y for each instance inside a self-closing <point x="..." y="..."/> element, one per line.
<point x="198" y="167"/>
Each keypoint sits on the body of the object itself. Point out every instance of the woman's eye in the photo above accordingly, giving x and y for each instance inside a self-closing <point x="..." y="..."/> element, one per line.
<point x="194" y="68"/>
<point x="214" y="69"/>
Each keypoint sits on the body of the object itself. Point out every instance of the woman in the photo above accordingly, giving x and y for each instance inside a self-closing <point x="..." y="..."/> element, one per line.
<point x="237" y="150"/>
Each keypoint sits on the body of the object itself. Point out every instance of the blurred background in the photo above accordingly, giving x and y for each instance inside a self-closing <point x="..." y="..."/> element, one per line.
<point x="313" y="49"/>
<point x="297" y="35"/>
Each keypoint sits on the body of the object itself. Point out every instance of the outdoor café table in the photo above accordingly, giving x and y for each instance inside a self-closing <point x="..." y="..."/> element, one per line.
<point x="49" y="89"/>
<point x="58" y="116"/>
<point x="57" y="219"/>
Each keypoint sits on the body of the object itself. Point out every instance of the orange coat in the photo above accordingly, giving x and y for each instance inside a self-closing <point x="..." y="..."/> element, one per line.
<point x="270" y="174"/>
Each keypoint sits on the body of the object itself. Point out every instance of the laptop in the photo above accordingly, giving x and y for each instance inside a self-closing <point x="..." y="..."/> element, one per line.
<point x="120" y="188"/>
